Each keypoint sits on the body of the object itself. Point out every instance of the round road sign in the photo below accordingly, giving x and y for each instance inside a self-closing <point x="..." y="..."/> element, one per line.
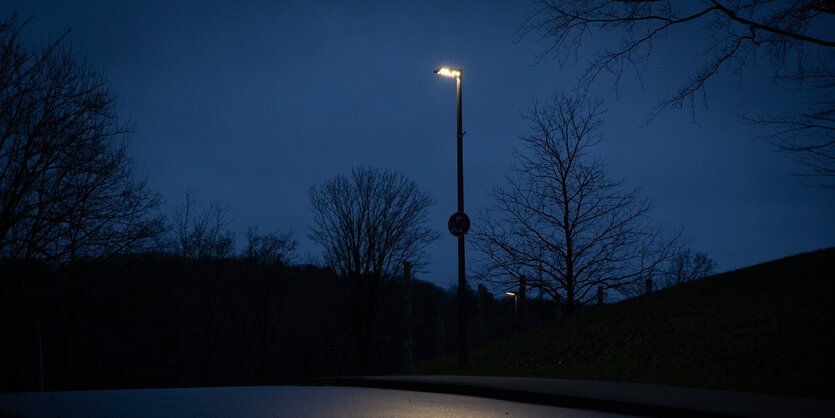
<point x="459" y="224"/>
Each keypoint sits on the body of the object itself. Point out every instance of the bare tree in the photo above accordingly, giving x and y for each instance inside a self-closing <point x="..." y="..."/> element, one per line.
<point x="271" y="248"/>
<point x="201" y="233"/>
<point x="687" y="265"/>
<point x="202" y="244"/>
<point x="808" y="137"/>
<point x="69" y="197"/>
<point x="369" y="223"/>
<point x="792" y="35"/>
<point x="560" y="221"/>
<point x="67" y="187"/>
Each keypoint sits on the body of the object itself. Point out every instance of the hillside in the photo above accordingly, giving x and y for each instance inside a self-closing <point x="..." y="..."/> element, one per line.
<point x="767" y="328"/>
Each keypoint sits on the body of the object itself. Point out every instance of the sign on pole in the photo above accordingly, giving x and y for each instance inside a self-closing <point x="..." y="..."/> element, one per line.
<point x="459" y="224"/>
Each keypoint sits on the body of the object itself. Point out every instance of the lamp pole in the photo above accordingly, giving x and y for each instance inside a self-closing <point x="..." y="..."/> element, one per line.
<point x="462" y="278"/>
<point x="459" y="223"/>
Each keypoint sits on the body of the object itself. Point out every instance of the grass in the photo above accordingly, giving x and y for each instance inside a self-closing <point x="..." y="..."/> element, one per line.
<point x="768" y="328"/>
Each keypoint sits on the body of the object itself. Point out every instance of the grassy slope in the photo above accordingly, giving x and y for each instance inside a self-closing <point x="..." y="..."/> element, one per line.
<point x="767" y="328"/>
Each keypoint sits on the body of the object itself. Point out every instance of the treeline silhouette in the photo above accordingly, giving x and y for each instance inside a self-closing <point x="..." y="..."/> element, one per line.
<point x="166" y="321"/>
<point x="101" y="288"/>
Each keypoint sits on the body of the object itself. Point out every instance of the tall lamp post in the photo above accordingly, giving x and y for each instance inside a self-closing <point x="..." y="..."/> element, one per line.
<point x="459" y="223"/>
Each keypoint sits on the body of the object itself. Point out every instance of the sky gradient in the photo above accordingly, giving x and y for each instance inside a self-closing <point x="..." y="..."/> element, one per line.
<point x="250" y="103"/>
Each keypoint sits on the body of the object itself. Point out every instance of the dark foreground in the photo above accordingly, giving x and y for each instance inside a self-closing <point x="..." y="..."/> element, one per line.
<point x="412" y="396"/>
<point x="270" y="401"/>
<point x="607" y="397"/>
<point x="766" y="328"/>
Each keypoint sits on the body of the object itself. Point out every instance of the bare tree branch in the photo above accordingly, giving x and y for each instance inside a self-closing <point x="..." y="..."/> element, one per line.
<point x="369" y="224"/>
<point x="272" y="248"/>
<point x="67" y="187"/>
<point x="794" y="34"/>
<point x="560" y="222"/>
<point x="200" y="235"/>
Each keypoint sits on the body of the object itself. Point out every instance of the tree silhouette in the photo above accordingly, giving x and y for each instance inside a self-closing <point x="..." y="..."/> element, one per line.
<point x="201" y="233"/>
<point x="791" y="35"/>
<point x="69" y="199"/>
<point x="687" y="265"/>
<point x="560" y="221"/>
<point x="369" y="224"/>
<point x="271" y="248"/>
<point x="67" y="187"/>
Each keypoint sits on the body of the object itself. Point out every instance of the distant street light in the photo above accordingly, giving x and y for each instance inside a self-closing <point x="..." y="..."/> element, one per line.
<point x="459" y="223"/>
<point x="515" y="303"/>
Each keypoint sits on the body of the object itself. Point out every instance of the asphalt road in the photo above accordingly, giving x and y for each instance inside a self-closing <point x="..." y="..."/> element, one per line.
<point x="271" y="401"/>
<point x="618" y="397"/>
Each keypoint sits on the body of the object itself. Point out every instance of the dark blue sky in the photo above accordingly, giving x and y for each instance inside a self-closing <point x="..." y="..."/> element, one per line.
<point x="251" y="102"/>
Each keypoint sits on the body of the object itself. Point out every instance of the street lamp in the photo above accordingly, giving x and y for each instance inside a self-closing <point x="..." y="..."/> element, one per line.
<point x="515" y="303"/>
<point x="459" y="223"/>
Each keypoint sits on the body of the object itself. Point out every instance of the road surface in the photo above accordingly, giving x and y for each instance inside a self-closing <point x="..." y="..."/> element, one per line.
<point x="271" y="401"/>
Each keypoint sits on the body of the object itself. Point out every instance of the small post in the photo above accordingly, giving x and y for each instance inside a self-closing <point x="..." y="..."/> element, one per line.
<point x="649" y="286"/>
<point x="523" y="285"/>
<point x="440" y="326"/>
<point x="408" y="344"/>
<point x="482" y="316"/>
<point x="481" y="291"/>
<point x="599" y="295"/>
<point x="40" y="355"/>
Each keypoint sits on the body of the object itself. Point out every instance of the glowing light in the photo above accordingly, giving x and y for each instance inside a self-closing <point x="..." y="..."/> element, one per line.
<point x="449" y="72"/>
<point x="510" y="293"/>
